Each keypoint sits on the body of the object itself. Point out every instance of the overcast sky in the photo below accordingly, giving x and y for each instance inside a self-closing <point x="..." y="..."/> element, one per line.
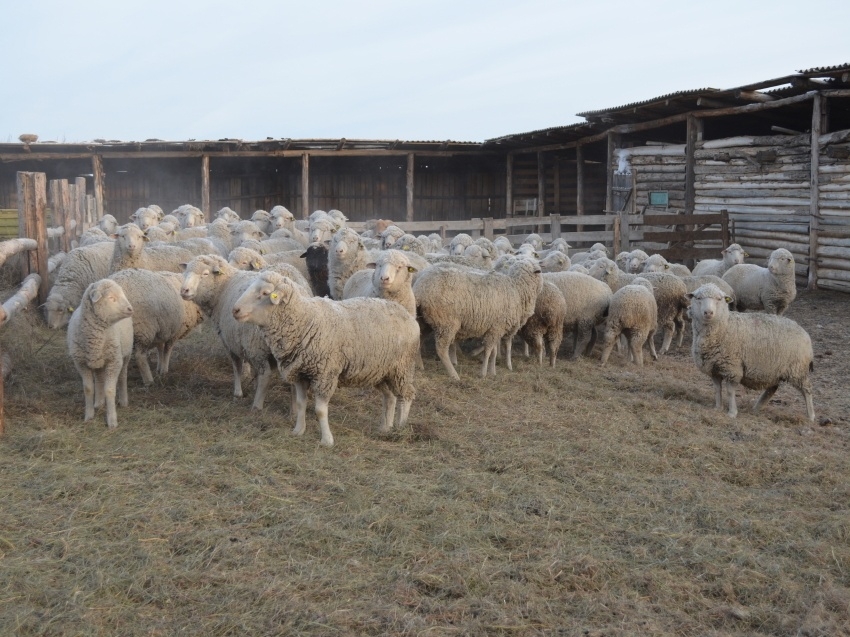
<point x="436" y="70"/>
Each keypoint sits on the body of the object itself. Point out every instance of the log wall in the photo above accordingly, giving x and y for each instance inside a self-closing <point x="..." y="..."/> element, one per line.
<point x="833" y="240"/>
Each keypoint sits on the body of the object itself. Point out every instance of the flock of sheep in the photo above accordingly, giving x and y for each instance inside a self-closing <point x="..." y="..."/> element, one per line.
<point x="328" y="306"/>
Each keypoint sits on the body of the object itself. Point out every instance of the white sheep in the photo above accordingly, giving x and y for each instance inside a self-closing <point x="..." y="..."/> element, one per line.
<point x="634" y="313"/>
<point x="346" y="255"/>
<point x="758" y="351"/>
<point x="409" y="243"/>
<point x="281" y="219"/>
<point x="587" y="302"/>
<point x="145" y="218"/>
<point x="657" y="263"/>
<point x="322" y="229"/>
<point x="479" y="255"/>
<point x="108" y="224"/>
<point x="263" y="220"/>
<point x="461" y="303"/>
<point x="247" y="259"/>
<point x="733" y="255"/>
<point x="129" y="251"/>
<point x="534" y="240"/>
<point x="160" y="316"/>
<point x="546" y="324"/>
<point x="164" y="232"/>
<point x="503" y="245"/>
<point x="93" y="235"/>
<point x="321" y="344"/>
<point x="100" y="341"/>
<point x="215" y="285"/>
<point x="228" y="215"/>
<point x="82" y="267"/>
<point x="555" y="261"/>
<point x="389" y="276"/>
<point x="390" y="235"/>
<point x="635" y="260"/>
<point x="771" y="289"/>
<point x="245" y="230"/>
<point x="189" y="216"/>
<point x="459" y="243"/>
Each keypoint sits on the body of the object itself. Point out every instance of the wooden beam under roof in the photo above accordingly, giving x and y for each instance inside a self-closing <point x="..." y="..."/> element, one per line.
<point x="754" y="96"/>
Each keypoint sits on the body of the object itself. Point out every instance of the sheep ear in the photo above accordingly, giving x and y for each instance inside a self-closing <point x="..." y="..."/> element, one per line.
<point x="145" y="237"/>
<point x="183" y="266"/>
<point x="304" y="255"/>
<point x="95" y="296"/>
<point x="412" y="269"/>
<point x="274" y="298"/>
<point x="371" y="266"/>
<point x="689" y="295"/>
<point x="114" y="235"/>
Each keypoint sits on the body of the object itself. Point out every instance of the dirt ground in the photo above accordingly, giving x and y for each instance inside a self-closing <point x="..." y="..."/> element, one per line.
<point x="578" y="500"/>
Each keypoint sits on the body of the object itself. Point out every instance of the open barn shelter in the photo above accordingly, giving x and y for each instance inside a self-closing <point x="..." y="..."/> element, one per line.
<point x="773" y="155"/>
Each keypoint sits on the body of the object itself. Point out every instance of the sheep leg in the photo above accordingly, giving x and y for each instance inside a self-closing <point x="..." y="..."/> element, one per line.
<point x="123" y="398"/>
<point x="419" y="363"/>
<point x="453" y="352"/>
<point x="636" y="348"/>
<point x="98" y="388"/>
<point x="718" y="392"/>
<point x="525" y="350"/>
<point x="264" y="375"/>
<point x="806" y="390"/>
<point x="300" y="407"/>
<point x="731" y="386"/>
<point x="389" y="408"/>
<point x="237" y="375"/>
<point x="404" y="410"/>
<point x="766" y="395"/>
<point x="88" y="391"/>
<point x="588" y="350"/>
<point x="554" y="340"/>
<point x="651" y="340"/>
<point x="321" y="408"/>
<point x="509" y="343"/>
<point x="444" y="344"/>
<point x="109" y="386"/>
<point x="608" y="339"/>
<point x="165" y="358"/>
<point x="539" y="348"/>
<point x="144" y="366"/>
<point x="668" y="338"/>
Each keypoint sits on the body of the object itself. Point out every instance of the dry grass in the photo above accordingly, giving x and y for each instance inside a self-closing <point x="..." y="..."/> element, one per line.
<point x="574" y="501"/>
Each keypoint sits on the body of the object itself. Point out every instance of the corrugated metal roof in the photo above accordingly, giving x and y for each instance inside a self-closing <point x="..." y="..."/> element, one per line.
<point x="699" y="92"/>
<point x="826" y="69"/>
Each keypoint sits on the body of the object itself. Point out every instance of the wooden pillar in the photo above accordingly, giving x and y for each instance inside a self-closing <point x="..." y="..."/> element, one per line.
<point x="555" y="226"/>
<point x="613" y="144"/>
<point x="205" y="186"/>
<point x="64" y="201"/>
<point x="579" y="184"/>
<point x="814" y="195"/>
<point x="305" y="185"/>
<point x="509" y="185"/>
<point x="97" y="171"/>
<point x="32" y="212"/>
<point x="409" y="188"/>
<point x="82" y="220"/>
<point x="488" y="228"/>
<point x="541" y="185"/>
<point x="693" y="135"/>
<point x="556" y="178"/>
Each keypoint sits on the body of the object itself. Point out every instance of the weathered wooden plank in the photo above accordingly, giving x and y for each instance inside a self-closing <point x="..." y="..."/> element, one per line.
<point x="683" y="235"/>
<point x="814" y="202"/>
<point x="694" y="219"/>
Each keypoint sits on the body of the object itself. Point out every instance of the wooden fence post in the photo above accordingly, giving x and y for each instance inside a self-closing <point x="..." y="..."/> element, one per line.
<point x="205" y="185"/>
<point x="616" y="247"/>
<point x="724" y="229"/>
<point x="32" y="210"/>
<point x="488" y="228"/>
<point x="81" y="202"/>
<point x="814" y="193"/>
<point x="555" y="226"/>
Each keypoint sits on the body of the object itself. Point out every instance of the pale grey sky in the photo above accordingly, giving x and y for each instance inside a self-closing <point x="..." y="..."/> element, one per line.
<point x="380" y="69"/>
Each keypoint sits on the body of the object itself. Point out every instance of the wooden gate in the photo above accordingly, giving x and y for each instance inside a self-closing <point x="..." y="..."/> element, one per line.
<point x="688" y="236"/>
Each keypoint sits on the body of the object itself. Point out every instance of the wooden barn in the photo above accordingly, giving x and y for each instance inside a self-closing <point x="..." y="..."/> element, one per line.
<point x="772" y="157"/>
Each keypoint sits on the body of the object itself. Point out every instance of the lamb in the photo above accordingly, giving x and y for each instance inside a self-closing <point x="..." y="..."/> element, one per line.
<point x="93" y="235"/>
<point x="228" y="215"/>
<point x="346" y="256"/>
<point x="321" y="344"/>
<point x="322" y="229"/>
<point x="555" y="262"/>
<point x="693" y="282"/>
<point x="635" y="260"/>
<point x="189" y="216"/>
<point x="547" y="322"/>
<point x="492" y="305"/>
<point x="389" y="276"/>
<point x="160" y="316"/>
<point x="316" y="261"/>
<point x="534" y="240"/>
<point x="164" y="232"/>
<point x="503" y="245"/>
<point x="587" y="302"/>
<point x="100" y="340"/>
<point x="409" y="243"/>
<point x="479" y="255"/>
<point x="82" y="267"/>
<point x="669" y="291"/>
<point x="263" y="220"/>
<point x="247" y="259"/>
<point x="390" y="235"/>
<point x="771" y="289"/>
<point x="634" y="313"/>
<point x="338" y="217"/>
<point x="657" y="263"/>
<point x="243" y="231"/>
<point x="215" y="285"/>
<point x="129" y="251"/>
<point x="588" y="257"/>
<point x="459" y="243"/>
<point x="622" y="261"/>
<point x="145" y="218"/>
<point x="108" y="224"/>
<point x="281" y="218"/>
<point x="733" y="255"/>
<point x="758" y="351"/>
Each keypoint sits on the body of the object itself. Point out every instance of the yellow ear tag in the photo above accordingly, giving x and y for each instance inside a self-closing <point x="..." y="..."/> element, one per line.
<point x="273" y="296"/>
<point x="256" y="265"/>
<point x="70" y="309"/>
<point x="410" y="268"/>
<point x="405" y="248"/>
